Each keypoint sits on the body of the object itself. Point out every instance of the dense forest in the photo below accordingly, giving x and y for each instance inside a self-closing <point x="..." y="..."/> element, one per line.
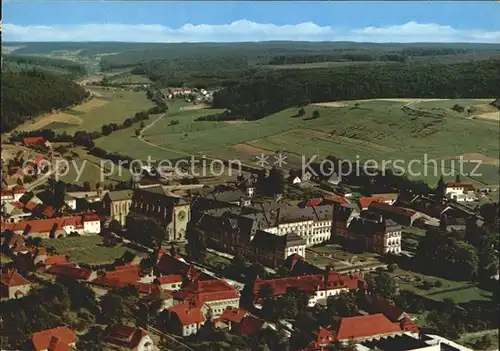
<point x="30" y="93"/>
<point x="66" y="65"/>
<point x="200" y="72"/>
<point x="271" y="91"/>
<point x="405" y="54"/>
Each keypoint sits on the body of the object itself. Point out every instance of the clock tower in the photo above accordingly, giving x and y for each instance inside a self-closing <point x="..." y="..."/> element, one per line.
<point x="181" y="216"/>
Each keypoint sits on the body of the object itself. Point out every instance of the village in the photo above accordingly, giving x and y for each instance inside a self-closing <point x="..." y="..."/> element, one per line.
<point x="264" y="255"/>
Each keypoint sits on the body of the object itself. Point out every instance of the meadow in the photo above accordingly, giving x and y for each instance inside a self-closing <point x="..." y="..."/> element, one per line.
<point x="106" y="106"/>
<point x="369" y="129"/>
<point x="91" y="170"/>
<point x="88" y="249"/>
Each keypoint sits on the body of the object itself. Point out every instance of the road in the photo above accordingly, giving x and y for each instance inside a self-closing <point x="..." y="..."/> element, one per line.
<point x="210" y="158"/>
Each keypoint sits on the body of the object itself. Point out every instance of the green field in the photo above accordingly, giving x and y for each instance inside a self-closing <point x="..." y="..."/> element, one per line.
<point x="91" y="170"/>
<point x="478" y="105"/>
<point x="119" y="105"/>
<point x="164" y="127"/>
<point x="375" y="129"/>
<point x="459" y="292"/>
<point x="88" y="249"/>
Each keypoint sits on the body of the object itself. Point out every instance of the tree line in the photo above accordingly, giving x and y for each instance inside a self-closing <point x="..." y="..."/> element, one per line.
<point x="28" y="94"/>
<point x="351" y="57"/>
<point x="272" y="91"/>
<point x="67" y="65"/>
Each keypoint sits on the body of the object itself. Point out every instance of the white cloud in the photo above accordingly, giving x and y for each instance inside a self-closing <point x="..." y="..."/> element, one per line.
<point x="244" y="30"/>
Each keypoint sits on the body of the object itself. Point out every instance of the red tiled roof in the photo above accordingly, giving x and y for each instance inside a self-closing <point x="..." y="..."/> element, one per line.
<point x="232" y="314"/>
<point x="42" y="225"/>
<point x="364" y="202"/>
<point x="91" y="217"/>
<point x="314" y="202"/>
<point x="323" y="336"/>
<point x="386" y="196"/>
<point x="389" y="310"/>
<point x="56" y="259"/>
<point x="48" y="211"/>
<point x="57" y="339"/>
<point x="365" y="326"/>
<point x="250" y="325"/>
<point x="392" y="209"/>
<point x="121" y="276"/>
<point x="309" y="283"/>
<point x="33" y="140"/>
<point x="200" y="292"/>
<point x="188" y="314"/>
<point x="12" y="278"/>
<point x="173" y="265"/>
<point x="146" y="288"/>
<point x="31" y="206"/>
<point x="169" y="279"/>
<point x="408" y="325"/>
<point x="39" y="159"/>
<point x="17" y="204"/>
<point x="69" y="270"/>
<point x="339" y="199"/>
<point x="127" y="336"/>
<point x="18" y="189"/>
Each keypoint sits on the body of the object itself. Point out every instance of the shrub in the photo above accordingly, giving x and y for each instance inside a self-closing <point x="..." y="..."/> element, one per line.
<point x="426" y="285"/>
<point x="392" y="267"/>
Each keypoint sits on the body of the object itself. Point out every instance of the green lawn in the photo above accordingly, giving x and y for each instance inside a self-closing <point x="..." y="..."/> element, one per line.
<point x="88" y="249"/>
<point x="459" y="292"/>
<point x="4" y="259"/>
<point x="470" y="339"/>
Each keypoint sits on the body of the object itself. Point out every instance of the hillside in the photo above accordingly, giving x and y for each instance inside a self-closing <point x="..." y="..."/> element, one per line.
<point x="18" y="63"/>
<point x="226" y="64"/>
<point x="27" y="94"/>
<point x="269" y="92"/>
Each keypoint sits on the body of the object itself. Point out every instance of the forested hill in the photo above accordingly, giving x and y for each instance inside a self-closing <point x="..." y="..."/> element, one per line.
<point x="30" y="93"/>
<point x="272" y="91"/>
<point x="47" y="63"/>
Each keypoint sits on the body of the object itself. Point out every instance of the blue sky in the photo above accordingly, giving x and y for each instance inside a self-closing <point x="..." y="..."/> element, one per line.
<point x="475" y="21"/>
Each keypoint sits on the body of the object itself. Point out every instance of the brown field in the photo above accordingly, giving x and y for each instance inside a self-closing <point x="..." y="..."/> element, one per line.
<point x="90" y="105"/>
<point x="196" y="107"/>
<point x="331" y="104"/>
<point x="42" y="121"/>
<point x="408" y="100"/>
<point x="490" y="116"/>
<point x="250" y="150"/>
<point x="236" y="121"/>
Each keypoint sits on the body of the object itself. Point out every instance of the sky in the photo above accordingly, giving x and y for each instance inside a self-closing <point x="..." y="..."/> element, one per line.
<point x="230" y="21"/>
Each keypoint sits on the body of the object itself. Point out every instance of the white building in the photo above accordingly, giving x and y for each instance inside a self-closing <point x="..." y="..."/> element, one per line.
<point x="455" y="190"/>
<point x="13" y="285"/>
<point x="70" y="201"/>
<point x="188" y="319"/>
<point x="12" y="195"/>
